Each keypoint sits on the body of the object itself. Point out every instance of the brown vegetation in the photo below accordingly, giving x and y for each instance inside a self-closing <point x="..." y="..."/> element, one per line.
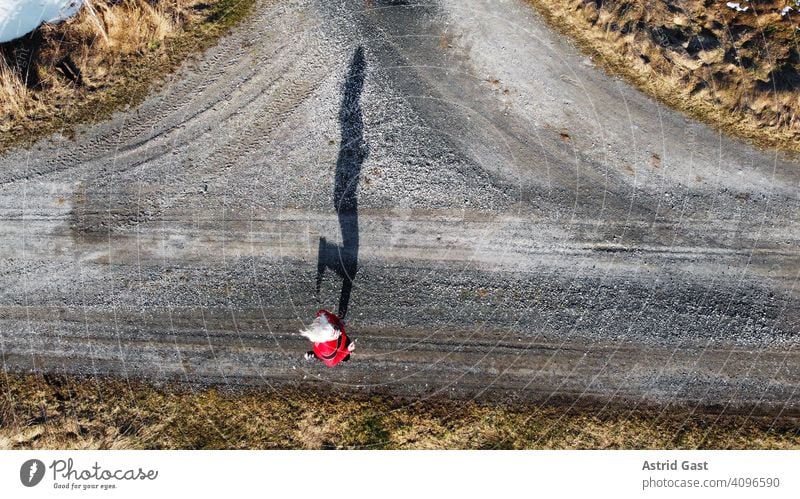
<point x="104" y="58"/>
<point x="58" y="412"/>
<point x="738" y="71"/>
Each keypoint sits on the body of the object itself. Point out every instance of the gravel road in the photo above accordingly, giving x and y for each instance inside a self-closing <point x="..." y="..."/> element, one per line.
<point x="500" y="219"/>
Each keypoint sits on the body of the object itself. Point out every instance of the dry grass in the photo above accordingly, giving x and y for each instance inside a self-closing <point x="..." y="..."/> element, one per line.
<point x="122" y="28"/>
<point x="737" y="71"/>
<point x="14" y="94"/>
<point x="57" y="412"/>
<point x="105" y="58"/>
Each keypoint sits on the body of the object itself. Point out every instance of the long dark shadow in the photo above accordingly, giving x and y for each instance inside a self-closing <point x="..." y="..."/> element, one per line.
<point x="343" y="259"/>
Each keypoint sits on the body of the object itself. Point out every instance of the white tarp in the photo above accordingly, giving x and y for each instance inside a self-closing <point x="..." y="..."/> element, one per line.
<point x="20" y="17"/>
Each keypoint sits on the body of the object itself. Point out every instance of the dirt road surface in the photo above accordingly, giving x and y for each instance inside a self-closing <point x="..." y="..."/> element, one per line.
<point x="500" y="219"/>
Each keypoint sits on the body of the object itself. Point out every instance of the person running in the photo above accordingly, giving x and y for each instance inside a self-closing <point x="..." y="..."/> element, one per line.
<point x="331" y="344"/>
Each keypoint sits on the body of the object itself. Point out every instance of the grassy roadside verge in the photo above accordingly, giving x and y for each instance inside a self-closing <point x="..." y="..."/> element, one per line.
<point x="104" y="59"/>
<point x="59" y="412"/>
<point x="738" y="71"/>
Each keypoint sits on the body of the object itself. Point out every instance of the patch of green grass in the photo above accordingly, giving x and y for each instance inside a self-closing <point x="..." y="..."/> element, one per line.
<point x="366" y="432"/>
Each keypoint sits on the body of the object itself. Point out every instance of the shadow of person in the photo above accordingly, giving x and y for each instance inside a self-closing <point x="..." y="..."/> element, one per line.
<point x="343" y="259"/>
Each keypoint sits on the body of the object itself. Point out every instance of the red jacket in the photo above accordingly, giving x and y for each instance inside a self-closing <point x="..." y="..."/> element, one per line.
<point x="334" y="351"/>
